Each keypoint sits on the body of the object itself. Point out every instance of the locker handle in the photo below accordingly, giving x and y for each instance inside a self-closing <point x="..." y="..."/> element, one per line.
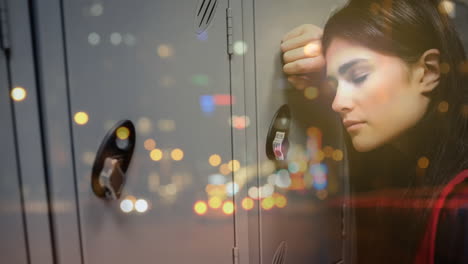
<point x="112" y="161"/>
<point x="277" y="143"/>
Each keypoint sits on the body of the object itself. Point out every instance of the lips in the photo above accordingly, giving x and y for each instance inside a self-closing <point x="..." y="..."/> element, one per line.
<point x="349" y="124"/>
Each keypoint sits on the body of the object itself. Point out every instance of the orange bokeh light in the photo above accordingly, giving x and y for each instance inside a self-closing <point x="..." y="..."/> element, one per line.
<point x="150" y="144"/>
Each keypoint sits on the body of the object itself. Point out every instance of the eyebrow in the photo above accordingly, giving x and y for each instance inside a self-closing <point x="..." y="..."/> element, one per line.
<point x="345" y="67"/>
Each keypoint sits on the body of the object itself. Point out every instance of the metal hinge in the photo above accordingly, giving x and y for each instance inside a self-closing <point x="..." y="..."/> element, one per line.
<point x="235" y="255"/>
<point x="229" y="30"/>
<point x="4" y="28"/>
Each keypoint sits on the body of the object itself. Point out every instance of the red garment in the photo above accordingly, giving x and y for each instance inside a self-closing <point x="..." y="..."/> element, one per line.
<point x="426" y="251"/>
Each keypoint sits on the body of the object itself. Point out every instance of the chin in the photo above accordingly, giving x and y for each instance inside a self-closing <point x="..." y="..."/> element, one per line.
<point x="364" y="145"/>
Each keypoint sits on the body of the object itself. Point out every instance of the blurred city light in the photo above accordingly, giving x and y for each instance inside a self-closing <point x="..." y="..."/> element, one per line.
<point x="156" y="154"/>
<point x="150" y="144"/>
<point x="423" y="163"/>
<point x="141" y="205"/>
<point x="228" y="207"/>
<point x="233" y="165"/>
<point x="81" y="118"/>
<point x="122" y="133"/>
<point x="217" y="179"/>
<point x="232" y="188"/>
<point x="214" y="160"/>
<point x="126" y="206"/>
<point x="268" y="203"/>
<point x="280" y="200"/>
<point x="248" y="203"/>
<point x="200" y="208"/>
<point x="165" y="51"/>
<point x="215" y="202"/>
<point x="177" y="154"/>
<point x="144" y="125"/>
<point x="18" y="94"/>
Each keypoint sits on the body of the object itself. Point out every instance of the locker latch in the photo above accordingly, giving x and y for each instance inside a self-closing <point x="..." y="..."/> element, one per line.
<point x="277" y="144"/>
<point x="112" y="161"/>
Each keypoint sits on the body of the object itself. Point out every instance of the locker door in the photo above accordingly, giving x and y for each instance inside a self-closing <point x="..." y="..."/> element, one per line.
<point x="164" y="66"/>
<point x="300" y="203"/>
<point x="13" y="248"/>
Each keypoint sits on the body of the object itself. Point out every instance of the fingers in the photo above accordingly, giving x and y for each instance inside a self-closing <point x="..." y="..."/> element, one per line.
<point x="293" y="33"/>
<point x="304" y="66"/>
<point x="297" y="38"/>
<point x="310" y="50"/>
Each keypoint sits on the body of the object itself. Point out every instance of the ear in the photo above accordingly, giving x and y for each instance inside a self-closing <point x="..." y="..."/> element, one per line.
<point x="428" y="72"/>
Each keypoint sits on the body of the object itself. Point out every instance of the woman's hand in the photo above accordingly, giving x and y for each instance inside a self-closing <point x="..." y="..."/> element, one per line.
<point x="302" y="56"/>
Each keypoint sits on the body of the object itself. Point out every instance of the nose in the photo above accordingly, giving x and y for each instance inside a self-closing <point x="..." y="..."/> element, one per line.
<point x="343" y="102"/>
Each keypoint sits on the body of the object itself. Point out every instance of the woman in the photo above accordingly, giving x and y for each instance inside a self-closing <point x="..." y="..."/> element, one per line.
<point x="400" y="76"/>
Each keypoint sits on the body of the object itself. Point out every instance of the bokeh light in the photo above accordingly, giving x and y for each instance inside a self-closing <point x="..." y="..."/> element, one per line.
<point x="311" y="92"/>
<point x="328" y="151"/>
<point x="253" y="192"/>
<point x="116" y="38"/>
<point x="268" y="203"/>
<point x="217" y="179"/>
<point x="228" y="207"/>
<point x="165" y="51"/>
<point x="141" y="205"/>
<point x="81" y="118"/>
<point x="248" y="203"/>
<point x="234" y="165"/>
<point x="94" y="38"/>
<point x="423" y="163"/>
<point x="144" y="125"/>
<point x="280" y="200"/>
<point x="444" y="68"/>
<point x="232" y="188"/>
<point x="177" y="154"/>
<point x="214" y="160"/>
<point x="166" y="125"/>
<point x="200" y="208"/>
<point x="224" y="169"/>
<point x="156" y="154"/>
<point x="266" y="190"/>
<point x="240" y="47"/>
<point x="215" y="202"/>
<point x="122" y="133"/>
<point x="322" y="194"/>
<point x="150" y="144"/>
<point x="337" y="155"/>
<point x="443" y="106"/>
<point x="18" y="94"/>
<point x="126" y="205"/>
<point x="464" y="111"/>
<point x="283" y="179"/>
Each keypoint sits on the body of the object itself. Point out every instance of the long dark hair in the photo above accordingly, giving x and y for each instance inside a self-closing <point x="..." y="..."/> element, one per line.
<point x="406" y="29"/>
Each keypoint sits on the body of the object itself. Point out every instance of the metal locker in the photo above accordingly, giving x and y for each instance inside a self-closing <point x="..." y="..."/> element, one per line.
<point x="166" y="67"/>
<point x="304" y="223"/>
<point x="26" y="232"/>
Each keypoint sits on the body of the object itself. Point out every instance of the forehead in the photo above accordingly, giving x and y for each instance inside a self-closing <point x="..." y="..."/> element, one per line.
<point x="342" y="51"/>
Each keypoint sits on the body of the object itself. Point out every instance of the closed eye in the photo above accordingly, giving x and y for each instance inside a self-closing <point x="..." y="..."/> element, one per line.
<point x="360" y="79"/>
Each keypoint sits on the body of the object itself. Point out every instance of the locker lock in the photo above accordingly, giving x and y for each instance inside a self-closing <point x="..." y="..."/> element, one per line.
<point x="112" y="161"/>
<point x="277" y="143"/>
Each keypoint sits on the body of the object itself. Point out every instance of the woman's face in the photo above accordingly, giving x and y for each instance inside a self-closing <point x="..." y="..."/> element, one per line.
<point x="377" y="96"/>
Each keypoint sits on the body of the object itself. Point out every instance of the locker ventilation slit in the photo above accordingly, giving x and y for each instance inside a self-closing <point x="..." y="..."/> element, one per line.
<point x="280" y="254"/>
<point x="205" y="13"/>
<point x="200" y="8"/>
